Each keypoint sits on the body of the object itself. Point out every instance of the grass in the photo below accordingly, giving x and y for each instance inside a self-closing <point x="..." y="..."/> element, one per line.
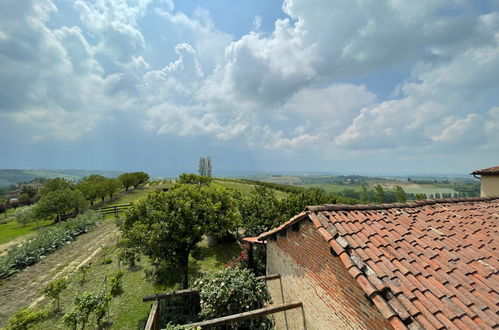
<point x="12" y="229"/>
<point x="127" y="311"/>
<point x="244" y="188"/>
<point x="131" y="196"/>
<point x="413" y="188"/>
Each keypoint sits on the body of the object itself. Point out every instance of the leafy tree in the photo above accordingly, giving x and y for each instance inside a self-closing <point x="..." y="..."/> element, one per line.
<point x="380" y="194"/>
<point x="420" y="196"/>
<point x="85" y="305"/>
<point x="3" y="209"/>
<point x="208" y="166"/>
<point x="167" y="226"/>
<point x="260" y="211"/>
<point x="54" y="288"/>
<point x="54" y="185"/>
<point x="26" y="215"/>
<point x="363" y="193"/>
<point x="401" y="195"/>
<point x="59" y="203"/>
<point x="188" y="178"/>
<point x="127" y="180"/>
<point x="139" y="178"/>
<point x="24" y="199"/>
<point x="30" y="191"/>
<point x="232" y="291"/>
<point x="202" y="166"/>
<point x="112" y="186"/>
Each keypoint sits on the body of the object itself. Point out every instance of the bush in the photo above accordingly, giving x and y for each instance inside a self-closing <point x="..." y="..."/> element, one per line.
<point x="232" y="291"/>
<point x="54" y="288"/>
<point x="87" y="304"/>
<point x="116" y="283"/>
<point x="25" y="318"/>
<point x="45" y="242"/>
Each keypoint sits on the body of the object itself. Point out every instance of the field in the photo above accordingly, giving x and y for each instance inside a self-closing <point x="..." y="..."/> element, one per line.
<point x="244" y="188"/>
<point x="408" y="188"/>
<point x="97" y="251"/>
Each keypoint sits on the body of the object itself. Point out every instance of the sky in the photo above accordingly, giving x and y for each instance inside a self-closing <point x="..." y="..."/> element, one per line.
<point x="358" y="86"/>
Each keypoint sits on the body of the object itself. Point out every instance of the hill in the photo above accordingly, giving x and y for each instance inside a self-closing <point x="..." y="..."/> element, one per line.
<point x="11" y="177"/>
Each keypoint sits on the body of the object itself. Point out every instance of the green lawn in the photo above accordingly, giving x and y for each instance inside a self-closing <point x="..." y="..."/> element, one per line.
<point x="12" y="229"/>
<point x="127" y="311"/>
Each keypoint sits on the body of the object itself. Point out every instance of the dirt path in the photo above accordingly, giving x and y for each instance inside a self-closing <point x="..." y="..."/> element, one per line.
<point x="21" y="290"/>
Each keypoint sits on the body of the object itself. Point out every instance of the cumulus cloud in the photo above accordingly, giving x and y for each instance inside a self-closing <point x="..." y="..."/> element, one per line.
<point x="288" y="89"/>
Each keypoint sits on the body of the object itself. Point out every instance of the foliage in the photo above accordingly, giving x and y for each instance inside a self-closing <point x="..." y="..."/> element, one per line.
<point x="420" y="196"/>
<point x="260" y="212"/>
<point x="54" y="288"/>
<point x="29" y="191"/>
<point x="188" y="178"/>
<point x="380" y="194"/>
<point x="25" y="215"/>
<point x="134" y="179"/>
<point x="87" y="304"/>
<point x="25" y="318"/>
<point x="116" y="283"/>
<point x="232" y="291"/>
<point x="55" y="184"/>
<point x="401" y="195"/>
<point x="45" y="242"/>
<point x="112" y="187"/>
<point x="167" y="226"/>
<point x="59" y="203"/>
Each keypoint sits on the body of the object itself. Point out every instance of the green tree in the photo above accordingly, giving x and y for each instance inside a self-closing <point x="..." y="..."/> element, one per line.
<point x="127" y="180"/>
<point x="54" y="289"/>
<point x="188" y="178"/>
<point x="26" y="215"/>
<point x="401" y="195"/>
<point x="208" y="166"/>
<point x="54" y="185"/>
<point x="30" y="191"/>
<point x="167" y="226"/>
<point x="260" y="211"/>
<point x="202" y="167"/>
<point x="380" y="194"/>
<point x="139" y="178"/>
<point x="420" y="196"/>
<point x="112" y="187"/>
<point x="363" y="192"/>
<point x="59" y="203"/>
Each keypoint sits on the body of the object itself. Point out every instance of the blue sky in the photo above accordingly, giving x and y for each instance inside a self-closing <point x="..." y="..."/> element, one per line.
<point x="294" y="85"/>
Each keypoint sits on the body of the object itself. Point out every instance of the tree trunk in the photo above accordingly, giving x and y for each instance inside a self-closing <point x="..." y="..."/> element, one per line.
<point x="185" y="271"/>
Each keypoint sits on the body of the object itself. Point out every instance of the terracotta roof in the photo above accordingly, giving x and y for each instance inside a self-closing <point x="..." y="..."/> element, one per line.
<point x="253" y="240"/>
<point x="490" y="170"/>
<point x="430" y="264"/>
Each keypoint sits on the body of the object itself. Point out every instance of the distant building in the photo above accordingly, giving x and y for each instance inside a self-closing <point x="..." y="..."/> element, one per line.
<point x="424" y="265"/>
<point x="489" y="181"/>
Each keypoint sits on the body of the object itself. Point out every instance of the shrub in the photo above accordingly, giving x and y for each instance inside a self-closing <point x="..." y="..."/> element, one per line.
<point x="45" y="242"/>
<point x="232" y="291"/>
<point x="54" y="288"/>
<point x="116" y="283"/>
<point x="87" y="304"/>
<point x="25" y="318"/>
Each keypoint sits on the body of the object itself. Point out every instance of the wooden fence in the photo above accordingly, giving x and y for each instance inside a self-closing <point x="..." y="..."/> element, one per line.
<point x="153" y="321"/>
<point x="115" y="209"/>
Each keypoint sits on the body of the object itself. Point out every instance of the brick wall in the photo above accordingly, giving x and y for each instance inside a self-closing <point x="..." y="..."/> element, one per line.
<point x="332" y="299"/>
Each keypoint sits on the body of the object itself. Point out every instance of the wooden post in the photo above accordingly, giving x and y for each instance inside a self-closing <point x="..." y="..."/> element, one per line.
<point x="152" y="321"/>
<point x="251" y="263"/>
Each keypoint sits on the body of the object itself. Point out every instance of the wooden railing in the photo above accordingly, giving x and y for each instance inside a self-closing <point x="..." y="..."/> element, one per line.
<point x="115" y="209"/>
<point x="153" y="321"/>
<point x="245" y="316"/>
